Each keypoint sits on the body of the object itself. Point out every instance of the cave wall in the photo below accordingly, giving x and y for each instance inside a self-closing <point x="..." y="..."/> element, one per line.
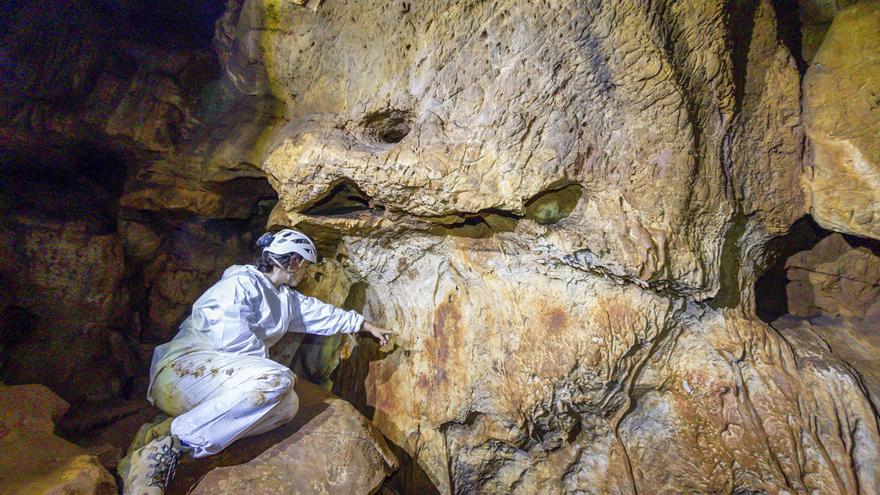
<point x="110" y="229"/>
<point x="566" y="348"/>
<point x="562" y="209"/>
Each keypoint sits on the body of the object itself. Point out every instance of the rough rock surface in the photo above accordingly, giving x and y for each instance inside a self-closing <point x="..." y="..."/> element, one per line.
<point x="69" y="296"/>
<point x="562" y="208"/>
<point x="112" y="223"/>
<point x="563" y="212"/>
<point x="842" y="118"/>
<point x="816" y="17"/>
<point x="834" y="279"/>
<point x="603" y="99"/>
<point x="32" y="459"/>
<point x="329" y="448"/>
<point x="834" y="300"/>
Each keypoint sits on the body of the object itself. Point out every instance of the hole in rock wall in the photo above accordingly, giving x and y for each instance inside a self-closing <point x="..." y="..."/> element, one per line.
<point x="344" y="198"/>
<point x="388" y="126"/>
<point x="546" y="208"/>
<point x="554" y="204"/>
<point x="480" y="225"/>
<point x="818" y="273"/>
<point x="827" y="294"/>
<point x="771" y="300"/>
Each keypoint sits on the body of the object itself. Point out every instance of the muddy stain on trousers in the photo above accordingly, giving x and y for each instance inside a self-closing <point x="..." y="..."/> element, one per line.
<point x="218" y="398"/>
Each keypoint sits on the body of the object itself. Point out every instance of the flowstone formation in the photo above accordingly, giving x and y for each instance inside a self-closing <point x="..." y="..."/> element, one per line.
<point x="563" y="211"/>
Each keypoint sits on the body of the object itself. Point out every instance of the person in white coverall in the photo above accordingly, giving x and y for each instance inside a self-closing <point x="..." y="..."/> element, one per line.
<point x="215" y="376"/>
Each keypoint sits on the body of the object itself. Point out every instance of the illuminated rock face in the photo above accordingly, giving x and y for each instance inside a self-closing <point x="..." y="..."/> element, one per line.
<point x="561" y="208"/>
<point x="447" y="111"/>
<point x="842" y="117"/>
<point x="562" y="211"/>
<point x="328" y="448"/>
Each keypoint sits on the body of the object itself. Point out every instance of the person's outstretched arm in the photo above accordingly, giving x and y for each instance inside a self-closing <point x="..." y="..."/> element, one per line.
<point x="310" y="315"/>
<point x="376" y="331"/>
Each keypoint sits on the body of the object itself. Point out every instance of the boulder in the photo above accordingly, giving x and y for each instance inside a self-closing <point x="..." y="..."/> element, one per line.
<point x="32" y="459"/>
<point x="328" y="448"/>
<point x="842" y="119"/>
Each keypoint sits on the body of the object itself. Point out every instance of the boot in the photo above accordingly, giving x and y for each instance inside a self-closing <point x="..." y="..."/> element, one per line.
<point x="153" y="466"/>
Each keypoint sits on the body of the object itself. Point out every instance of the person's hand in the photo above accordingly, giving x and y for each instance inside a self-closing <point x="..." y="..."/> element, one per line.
<point x="376" y="331"/>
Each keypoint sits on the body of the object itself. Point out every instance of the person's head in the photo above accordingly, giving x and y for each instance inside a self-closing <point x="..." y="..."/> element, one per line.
<point x="285" y="256"/>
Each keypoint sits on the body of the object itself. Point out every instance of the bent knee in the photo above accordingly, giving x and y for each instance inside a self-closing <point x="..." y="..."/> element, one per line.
<point x="272" y="384"/>
<point x="288" y="406"/>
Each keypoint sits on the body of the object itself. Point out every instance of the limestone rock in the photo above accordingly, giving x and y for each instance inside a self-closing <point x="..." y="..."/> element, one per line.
<point x="607" y="98"/>
<point x="67" y="273"/>
<point x="842" y="118"/>
<point x="534" y="198"/>
<point x="855" y="341"/>
<point x="834" y="301"/>
<point x="329" y="448"/>
<point x="562" y="209"/>
<point x="833" y="279"/>
<point x="182" y="267"/>
<point x="743" y="408"/>
<point x="816" y="17"/>
<point x="32" y="459"/>
<point x="68" y="278"/>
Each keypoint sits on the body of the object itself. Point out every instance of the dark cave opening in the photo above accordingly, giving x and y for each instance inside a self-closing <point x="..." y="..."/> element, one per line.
<point x="788" y="30"/>
<point x="165" y="23"/>
<point x="343" y="198"/>
<point x="771" y="301"/>
<point x="79" y="181"/>
<point x="388" y="126"/>
<point x="771" y="290"/>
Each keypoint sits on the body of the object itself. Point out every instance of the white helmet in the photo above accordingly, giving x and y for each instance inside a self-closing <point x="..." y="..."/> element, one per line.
<point x="289" y="241"/>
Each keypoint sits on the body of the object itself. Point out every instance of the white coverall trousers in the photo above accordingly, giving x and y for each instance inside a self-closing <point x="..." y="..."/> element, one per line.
<point x="220" y="397"/>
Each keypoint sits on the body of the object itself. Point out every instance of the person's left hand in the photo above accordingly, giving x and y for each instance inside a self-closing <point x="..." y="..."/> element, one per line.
<point x="376" y="331"/>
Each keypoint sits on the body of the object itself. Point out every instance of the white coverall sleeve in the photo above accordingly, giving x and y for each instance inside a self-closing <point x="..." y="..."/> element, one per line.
<point x="236" y="318"/>
<point x="310" y="315"/>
